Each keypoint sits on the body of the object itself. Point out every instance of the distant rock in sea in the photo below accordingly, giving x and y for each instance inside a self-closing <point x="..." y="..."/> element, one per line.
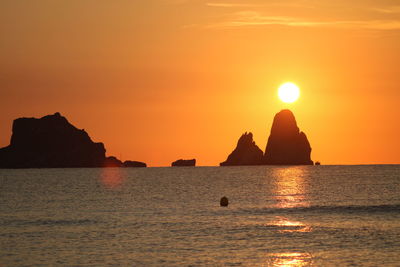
<point x="286" y="144"/>
<point x="184" y="163"/>
<point x="134" y="164"/>
<point x="245" y="153"/>
<point x="112" y="162"/>
<point x="50" y="142"/>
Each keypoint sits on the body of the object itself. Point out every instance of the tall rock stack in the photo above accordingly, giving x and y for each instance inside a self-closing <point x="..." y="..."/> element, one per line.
<point x="286" y="144"/>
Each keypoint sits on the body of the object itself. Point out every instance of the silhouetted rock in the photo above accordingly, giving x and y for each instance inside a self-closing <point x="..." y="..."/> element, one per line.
<point x="50" y="142"/>
<point x="245" y="153"/>
<point x="184" y="163"/>
<point x="134" y="164"/>
<point x="286" y="144"/>
<point x="224" y="202"/>
<point x="112" y="162"/>
<point x="317" y="163"/>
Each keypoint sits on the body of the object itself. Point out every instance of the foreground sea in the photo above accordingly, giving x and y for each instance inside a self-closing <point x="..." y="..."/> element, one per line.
<point x="277" y="216"/>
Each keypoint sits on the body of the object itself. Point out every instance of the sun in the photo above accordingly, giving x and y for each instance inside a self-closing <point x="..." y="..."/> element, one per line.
<point x="288" y="92"/>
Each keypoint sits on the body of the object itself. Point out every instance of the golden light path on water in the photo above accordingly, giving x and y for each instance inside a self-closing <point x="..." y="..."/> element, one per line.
<point x="289" y="192"/>
<point x="294" y="259"/>
<point x="290" y="187"/>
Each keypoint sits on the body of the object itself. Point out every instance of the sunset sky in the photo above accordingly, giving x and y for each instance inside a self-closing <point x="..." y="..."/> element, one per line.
<point x="159" y="80"/>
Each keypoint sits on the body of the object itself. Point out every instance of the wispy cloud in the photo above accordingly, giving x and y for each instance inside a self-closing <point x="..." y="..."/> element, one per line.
<point x="214" y="4"/>
<point x="252" y="18"/>
<point x="265" y="4"/>
<point x="388" y="10"/>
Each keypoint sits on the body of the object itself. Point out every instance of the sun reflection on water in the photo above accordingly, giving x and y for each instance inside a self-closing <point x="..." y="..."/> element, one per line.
<point x="289" y="259"/>
<point x="286" y="225"/>
<point x="290" y="188"/>
<point x="289" y="191"/>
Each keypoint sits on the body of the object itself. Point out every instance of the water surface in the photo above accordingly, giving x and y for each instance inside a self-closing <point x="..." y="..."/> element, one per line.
<point x="278" y="216"/>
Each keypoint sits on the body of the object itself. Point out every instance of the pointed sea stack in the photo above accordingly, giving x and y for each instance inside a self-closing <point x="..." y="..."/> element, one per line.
<point x="245" y="153"/>
<point x="50" y="142"/>
<point x="286" y="144"/>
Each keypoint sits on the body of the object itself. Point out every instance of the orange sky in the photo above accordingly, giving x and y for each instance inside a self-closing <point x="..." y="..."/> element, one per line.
<point x="159" y="80"/>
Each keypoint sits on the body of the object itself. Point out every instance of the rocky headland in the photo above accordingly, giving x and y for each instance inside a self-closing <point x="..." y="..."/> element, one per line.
<point x="52" y="142"/>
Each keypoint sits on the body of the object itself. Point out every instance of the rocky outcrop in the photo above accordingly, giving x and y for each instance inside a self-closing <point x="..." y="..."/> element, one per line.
<point x="112" y="162"/>
<point x="134" y="164"/>
<point x="50" y="142"/>
<point x="184" y="163"/>
<point x="245" y="153"/>
<point x="286" y="144"/>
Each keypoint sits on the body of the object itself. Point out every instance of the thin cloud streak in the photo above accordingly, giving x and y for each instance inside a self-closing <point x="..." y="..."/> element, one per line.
<point x="279" y="4"/>
<point x="232" y="5"/>
<point x="388" y="10"/>
<point x="250" y="18"/>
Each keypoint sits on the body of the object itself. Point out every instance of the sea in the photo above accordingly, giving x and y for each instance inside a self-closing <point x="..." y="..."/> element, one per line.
<point x="171" y="216"/>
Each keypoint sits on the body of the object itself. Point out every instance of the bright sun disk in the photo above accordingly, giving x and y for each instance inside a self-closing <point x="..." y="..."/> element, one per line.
<point x="288" y="92"/>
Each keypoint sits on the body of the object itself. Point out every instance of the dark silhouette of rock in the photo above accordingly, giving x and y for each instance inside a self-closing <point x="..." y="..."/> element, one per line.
<point x="134" y="164"/>
<point x="286" y="144"/>
<point x="224" y="202"/>
<point x="50" y="142"/>
<point x="184" y="163"/>
<point x="112" y="162"/>
<point x="245" y="153"/>
<point x="317" y="163"/>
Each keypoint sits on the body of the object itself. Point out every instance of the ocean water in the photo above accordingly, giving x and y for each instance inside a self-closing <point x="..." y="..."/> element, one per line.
<point x="278" y="216"/>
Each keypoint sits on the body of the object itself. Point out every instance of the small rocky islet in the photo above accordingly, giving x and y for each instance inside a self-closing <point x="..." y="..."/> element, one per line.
<point x="184" y="163"/>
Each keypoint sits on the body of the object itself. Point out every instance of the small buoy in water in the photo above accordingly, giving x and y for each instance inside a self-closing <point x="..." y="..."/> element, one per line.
<point x="224" y="202"/>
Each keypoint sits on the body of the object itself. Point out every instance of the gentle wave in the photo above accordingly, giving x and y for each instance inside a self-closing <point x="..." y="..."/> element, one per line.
<point x="47" y="222"/>
<point x="327" y="209"/>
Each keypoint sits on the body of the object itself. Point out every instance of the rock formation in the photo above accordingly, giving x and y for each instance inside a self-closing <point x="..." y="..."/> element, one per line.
<point x="245" y="153"/>
<point x="286" y="144"/>
<point x="184" y="163"/>
<point x="112" y="162"/>
<point x="50" y="142"/>
<point x="134" y="164"/>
